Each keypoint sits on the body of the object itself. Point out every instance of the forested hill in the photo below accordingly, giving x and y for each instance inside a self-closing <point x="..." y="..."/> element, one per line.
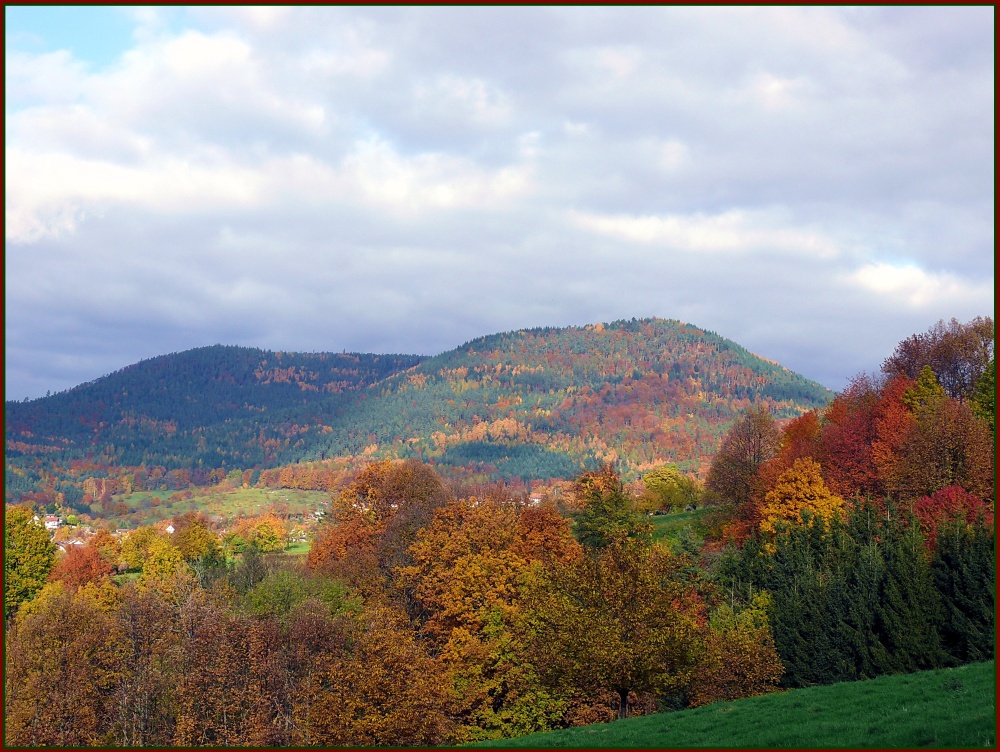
<point x="547" y="402"/>
<point x="537" y="403"/>
<point x="164" y="410"/>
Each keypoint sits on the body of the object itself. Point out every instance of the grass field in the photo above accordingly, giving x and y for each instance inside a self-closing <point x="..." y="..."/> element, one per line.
<point x="669" y="526"/>
<point x="229" y="504"/>
<point x="946" y="708"/>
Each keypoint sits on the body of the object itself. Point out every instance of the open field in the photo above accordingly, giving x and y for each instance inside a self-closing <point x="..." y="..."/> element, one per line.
<point x="945" y="708"/>
<point x="147" y="507"/>
<point x="669" y="526"/>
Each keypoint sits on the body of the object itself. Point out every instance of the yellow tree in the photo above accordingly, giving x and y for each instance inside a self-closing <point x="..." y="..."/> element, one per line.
<point x="194" y="538"/>
<point x="383" y="691"/>
<point x="800" y="488"/>
<point x="59" y="665"/>
<point x="135" y="546"/>
<point x="28" y="556"/>
<point x="465" y="581"/>
<point x="165" y="571"/>
<point x="625" y="621"/>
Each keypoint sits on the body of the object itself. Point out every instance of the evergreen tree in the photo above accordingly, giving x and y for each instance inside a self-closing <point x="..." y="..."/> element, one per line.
<point x="907" y="610"/>
<point x="964" y="576"/>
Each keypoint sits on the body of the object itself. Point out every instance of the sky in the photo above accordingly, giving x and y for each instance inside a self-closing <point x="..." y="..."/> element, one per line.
<point x="815" y="183"/>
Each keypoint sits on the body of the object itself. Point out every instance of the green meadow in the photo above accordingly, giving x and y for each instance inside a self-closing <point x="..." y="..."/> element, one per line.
<point x="147" y="507"/>
<point x="671" y="526"/>
<point x="945" y="708"/>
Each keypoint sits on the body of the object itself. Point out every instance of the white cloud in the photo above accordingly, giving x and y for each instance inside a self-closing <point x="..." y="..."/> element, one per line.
<point x="730" y="232"/>
<point x="467" y="98"/>
<point x="49" y="193"/>
<point x="909" y="285"/>
<point x="408" y="185"/>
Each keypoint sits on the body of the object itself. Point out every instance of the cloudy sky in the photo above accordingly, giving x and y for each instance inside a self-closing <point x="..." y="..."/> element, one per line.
<point x="814" y="183"/>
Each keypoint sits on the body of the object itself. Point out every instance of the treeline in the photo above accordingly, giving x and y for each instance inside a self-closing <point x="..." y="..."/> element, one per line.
<point x="870" y="524"/>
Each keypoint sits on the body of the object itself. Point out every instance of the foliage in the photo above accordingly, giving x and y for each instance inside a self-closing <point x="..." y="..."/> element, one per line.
<point x="740" y="658"/>
<point x="265" y="532"/>
<point x="385" y="691"/>
<point x="859" y="598"/>
<point x="957" y="353"/>
<point x="964" y="567"/>
<point x="281" y="590"/>
<point x="28" y="557"/>
<point x="950" y="505"/>
<point x="984" y="396"/>
<point x="59" y="668"/>
<point x="799" y="492"/>
<point x="949" y="445"/>
<point x="136" y="545"/>
<point x="80" y="565"/>
<point x="624" y="621"/>
<point x="752" y="441"/>
<point x="607" y="513"/>
<point x="668" y="489"/>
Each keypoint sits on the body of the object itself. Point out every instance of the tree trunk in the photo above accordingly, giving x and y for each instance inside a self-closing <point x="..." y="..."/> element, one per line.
<point x="622" y="703"/>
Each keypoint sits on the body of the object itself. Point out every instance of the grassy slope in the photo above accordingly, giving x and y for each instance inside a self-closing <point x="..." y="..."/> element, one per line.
<point x="670" y="526"/>
<point x="231" y="504"/>
<point x="947" y="708"/>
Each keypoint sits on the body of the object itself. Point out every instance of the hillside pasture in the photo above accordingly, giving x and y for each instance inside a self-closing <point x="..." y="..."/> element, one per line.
<point x="148" y="507"/>
<point x="945" y="708"/>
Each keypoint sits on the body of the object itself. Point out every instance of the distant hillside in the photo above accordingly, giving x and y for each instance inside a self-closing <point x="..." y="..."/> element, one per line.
<point x="538" y="403"/>
<point x="546" y="402"/>
<point x="208" y="406"/>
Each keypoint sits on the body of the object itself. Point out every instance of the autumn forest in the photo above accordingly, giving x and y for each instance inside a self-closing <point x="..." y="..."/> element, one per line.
<point x="540" y="529"/>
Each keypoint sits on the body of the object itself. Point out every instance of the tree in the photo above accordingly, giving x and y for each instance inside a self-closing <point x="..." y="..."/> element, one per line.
<point x="384" y="691"/>
<point x="608" y="514"/>
<point x="346" y="546"/>
<point x="135" y="546"/>
<point x="141" y="704"/>
<point x="28" y="557"/>
<point x="984" y="396"/>
<point x="464" y="566"/>
<point x="59" y="667"/>
<point x="949" y="506"/>
<point x="80" y="565"/>
<point x="949" y="445"/>
<point x="957" y="353"/>
<point x="266" y="532"/>
<point x="847" y="439"/>
<point x="159" y="570"/>
<point x="740" y="659"/>
<point x="667" y="488"/>
<point x="194" y="538"/>
<point x="751" y="442"/>
<point x="623" y="621"/>
<point x="799" y="489"/>
<point x="964" y="569"/>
